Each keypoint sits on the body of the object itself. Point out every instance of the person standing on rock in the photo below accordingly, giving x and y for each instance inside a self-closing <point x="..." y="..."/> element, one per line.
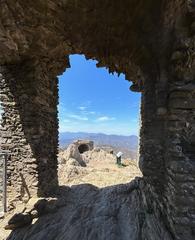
<point x="118" y="158"/>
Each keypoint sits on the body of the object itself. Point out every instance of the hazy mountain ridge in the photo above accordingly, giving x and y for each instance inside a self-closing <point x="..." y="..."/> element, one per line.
<point x="127" y="144"/>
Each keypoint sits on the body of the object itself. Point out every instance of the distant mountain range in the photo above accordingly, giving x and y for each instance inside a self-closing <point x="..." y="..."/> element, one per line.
<point x="127" y="144"/>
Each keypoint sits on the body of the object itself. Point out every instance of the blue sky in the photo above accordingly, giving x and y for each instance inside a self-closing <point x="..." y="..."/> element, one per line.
<point x="92" y="100"/>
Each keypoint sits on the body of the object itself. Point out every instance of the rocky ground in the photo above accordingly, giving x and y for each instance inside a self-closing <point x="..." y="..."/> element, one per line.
<point x="97" y="167"/>
<point x="91" y="202"/>
<point x="85" y="212"/>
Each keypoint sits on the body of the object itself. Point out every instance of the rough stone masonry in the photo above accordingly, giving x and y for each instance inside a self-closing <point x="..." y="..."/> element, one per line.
<point x="1" y="185"/>
<point x="151" y="42"/>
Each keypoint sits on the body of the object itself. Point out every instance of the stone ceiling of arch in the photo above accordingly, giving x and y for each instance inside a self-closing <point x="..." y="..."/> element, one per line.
<point x="119" y="34"/>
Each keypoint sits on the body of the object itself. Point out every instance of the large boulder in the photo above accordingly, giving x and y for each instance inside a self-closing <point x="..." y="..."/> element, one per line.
<point x="71" y="153"/>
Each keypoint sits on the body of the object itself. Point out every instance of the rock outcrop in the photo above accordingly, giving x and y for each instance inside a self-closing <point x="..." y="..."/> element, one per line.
<point x="99" y="168"/>
<point x="73" y="154"/>
<point x="116" y="213"/>
<point x="99" y="155"/>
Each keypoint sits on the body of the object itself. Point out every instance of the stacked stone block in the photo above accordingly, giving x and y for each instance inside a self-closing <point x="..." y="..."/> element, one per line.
<point x="1" y="183"/>
<point x="168" y="126"/>
<point x="29" y="129"/>
<point x="180" y="144"/>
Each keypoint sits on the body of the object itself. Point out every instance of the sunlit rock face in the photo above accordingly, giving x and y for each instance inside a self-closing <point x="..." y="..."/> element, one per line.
<point x="151" y="42"/>
<point x="75" y="151"/>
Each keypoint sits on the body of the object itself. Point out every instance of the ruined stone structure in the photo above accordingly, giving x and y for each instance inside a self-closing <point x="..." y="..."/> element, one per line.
<point x="151" y="42"/>
<point x="84" y="145"/>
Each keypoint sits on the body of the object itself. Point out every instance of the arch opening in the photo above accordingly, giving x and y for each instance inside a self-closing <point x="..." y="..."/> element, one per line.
<point x="97" y="108"/>
<point x="83" y="148"/>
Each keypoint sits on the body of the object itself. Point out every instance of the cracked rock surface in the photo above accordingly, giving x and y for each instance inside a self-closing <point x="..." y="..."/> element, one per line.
<point x="115" y="212"/>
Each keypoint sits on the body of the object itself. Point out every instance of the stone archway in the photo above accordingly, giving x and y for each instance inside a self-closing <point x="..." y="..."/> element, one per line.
<point x="151" y="42"/>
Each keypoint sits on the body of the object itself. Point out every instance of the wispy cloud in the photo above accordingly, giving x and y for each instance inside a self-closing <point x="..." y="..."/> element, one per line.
<point x="105" y="118"/>
<point x="62" y="108"/>
<point x="66" y="120"/>
<point x="88" y="112"/>
<point x="82" y="108"/>
<point x="78" y="117"/>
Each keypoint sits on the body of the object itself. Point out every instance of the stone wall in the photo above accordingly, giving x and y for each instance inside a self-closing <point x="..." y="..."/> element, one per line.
<point x="180" y="136"/>
<point x="29" y="128"/>
<point x="1" y="184"/>
<point x="152" y="137"/>
<point x="167" y="135"/>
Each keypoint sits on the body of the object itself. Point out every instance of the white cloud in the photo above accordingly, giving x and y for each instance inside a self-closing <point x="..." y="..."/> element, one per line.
<point x="78" y="117"/>
<point x="62" y="110"/>
<point x="82" y="108"/>
<point x="66" y="120"/>
<point x="105" y="118"/>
